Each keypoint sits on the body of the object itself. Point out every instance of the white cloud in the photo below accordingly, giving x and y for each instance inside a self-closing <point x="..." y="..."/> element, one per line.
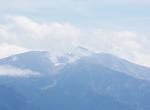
<point x="125" y="44"/>
<point x="16" y="72"/>
<point x="8" y="50"/>
<point x="51" y="36"/>
<point x="58" y="38"/>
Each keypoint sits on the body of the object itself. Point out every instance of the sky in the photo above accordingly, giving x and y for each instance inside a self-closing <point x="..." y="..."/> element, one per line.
<point x="119" y="27"/>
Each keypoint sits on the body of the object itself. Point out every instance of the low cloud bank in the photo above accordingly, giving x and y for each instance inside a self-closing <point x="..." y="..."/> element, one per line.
<point x="16" y="72"/>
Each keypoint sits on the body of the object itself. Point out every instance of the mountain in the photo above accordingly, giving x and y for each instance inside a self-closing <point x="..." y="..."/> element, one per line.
<point x="118" y="64"/>
<point x="41" y="61"/>
<point x="35" y="60"/>
<point x="12" y="100"/>
<point x="92" y="81"/>
<point x="104" y="81"/>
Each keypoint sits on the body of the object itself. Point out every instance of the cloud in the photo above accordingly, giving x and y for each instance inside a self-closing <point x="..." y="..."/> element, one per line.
<point x="16" y="72"/>
<point x="62" y="37"/>
<point x="101" y="40"/>
<point x="8" y="50"/>
<point x="27" y="33"/>
<point x="129" y="45"/>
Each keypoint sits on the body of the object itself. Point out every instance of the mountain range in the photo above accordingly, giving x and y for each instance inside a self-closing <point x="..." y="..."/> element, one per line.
<point x="90" y="81"/>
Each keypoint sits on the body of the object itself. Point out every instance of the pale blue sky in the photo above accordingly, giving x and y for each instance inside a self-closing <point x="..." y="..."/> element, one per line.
<point x="131" y="15"/>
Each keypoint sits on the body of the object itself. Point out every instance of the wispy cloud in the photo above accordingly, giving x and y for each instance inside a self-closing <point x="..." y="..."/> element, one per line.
<point x="10" y="49"/>
<point x="52" y="36"/>
<point x="16" y="72"/>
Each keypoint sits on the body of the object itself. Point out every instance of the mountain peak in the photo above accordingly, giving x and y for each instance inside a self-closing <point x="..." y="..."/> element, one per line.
<point x="37" y="61"/>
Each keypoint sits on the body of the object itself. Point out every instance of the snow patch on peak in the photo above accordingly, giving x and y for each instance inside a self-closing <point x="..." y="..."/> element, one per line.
<point x="69" y="57"/>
